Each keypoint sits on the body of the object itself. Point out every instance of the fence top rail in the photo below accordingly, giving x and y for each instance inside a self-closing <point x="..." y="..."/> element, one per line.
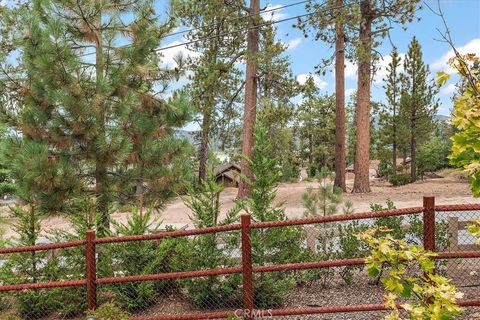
<point x="170" y="234"/>
<point x="43" y="247"/>
<point x="336" y="218"/>
<point x="233" y="227"/>
<point x="458" y="207"/>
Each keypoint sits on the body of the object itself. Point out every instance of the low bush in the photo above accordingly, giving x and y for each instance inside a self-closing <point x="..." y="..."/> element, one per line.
<point x="400" y="179"/>
<point x="139" y="258"/>
<point x="109" y="311"/>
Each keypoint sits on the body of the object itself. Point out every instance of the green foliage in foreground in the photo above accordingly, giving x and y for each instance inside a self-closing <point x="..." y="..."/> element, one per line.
<point x="410" y="277"/>
<point x="466" y="142"/>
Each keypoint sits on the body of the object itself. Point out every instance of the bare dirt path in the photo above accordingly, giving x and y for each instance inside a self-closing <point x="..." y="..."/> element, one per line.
<point x="448" y="190"/>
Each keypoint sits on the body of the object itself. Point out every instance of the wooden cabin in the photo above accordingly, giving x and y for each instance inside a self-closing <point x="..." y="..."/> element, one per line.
<point x="227" y="174"/>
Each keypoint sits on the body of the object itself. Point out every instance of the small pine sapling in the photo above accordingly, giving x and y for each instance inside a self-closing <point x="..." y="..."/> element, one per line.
<point x="29" y="267"/>
<point x="273" y="245"/>
<point x="326" y="199"/>
<point x="206" y="251"/>
<point x="139" y="258"/>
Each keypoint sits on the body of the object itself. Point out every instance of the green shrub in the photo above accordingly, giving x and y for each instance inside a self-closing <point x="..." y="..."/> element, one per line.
<point x="202" y="252"/>
<point x="350" y="247"/>
<point x="385" y="169"/>
<point x="433" y="155"/>
<point x="138" y="258"/>
<point x="7" y="188"/>
<point x="273" y="245"/>
<point x="393" y="223"/>
<point x="29" y="267"/>
<point x="400" y="179"/>
<point x="109" y="311"/>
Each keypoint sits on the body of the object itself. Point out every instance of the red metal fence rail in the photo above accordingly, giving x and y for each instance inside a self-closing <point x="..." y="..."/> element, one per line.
<point x="90" y="282"/>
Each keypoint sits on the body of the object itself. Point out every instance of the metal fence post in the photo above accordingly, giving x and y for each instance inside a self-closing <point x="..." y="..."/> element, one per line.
<point x="429" y="223"/>
<point x="247" y="273"/>
<point x="91" y="271"/>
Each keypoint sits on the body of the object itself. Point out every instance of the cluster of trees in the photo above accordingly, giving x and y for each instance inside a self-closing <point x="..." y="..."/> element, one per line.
<point x="89" y="111"/>
<point x="408" y="117"/>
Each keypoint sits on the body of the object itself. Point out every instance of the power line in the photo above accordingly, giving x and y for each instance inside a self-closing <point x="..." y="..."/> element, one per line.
<point x="257" y="26"/>
<point x="248" y="28"/>
<point x="212" y="25"/>
<point x="239" y="18"/>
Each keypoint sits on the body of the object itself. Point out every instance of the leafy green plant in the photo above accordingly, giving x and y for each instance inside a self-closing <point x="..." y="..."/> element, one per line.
<point x="204" y="252"/>
<point x="109" y="311"/>
<point x="349" y="246"/>
<point x="465" y="148"/>
<point x="393" y="223"/>
<point x="474" y="229"/>
<point x="400" y="179"/>
<point x="410" y="276"/>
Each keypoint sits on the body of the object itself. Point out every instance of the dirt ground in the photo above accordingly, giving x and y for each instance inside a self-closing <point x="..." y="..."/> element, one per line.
<point x="450" y="188"/>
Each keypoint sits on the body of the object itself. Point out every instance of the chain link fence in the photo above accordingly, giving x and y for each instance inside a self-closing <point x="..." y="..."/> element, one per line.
<point x="296" y="269"/>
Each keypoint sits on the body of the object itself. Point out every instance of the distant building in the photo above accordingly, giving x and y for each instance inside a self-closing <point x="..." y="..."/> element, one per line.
<point x="227" y="174"/>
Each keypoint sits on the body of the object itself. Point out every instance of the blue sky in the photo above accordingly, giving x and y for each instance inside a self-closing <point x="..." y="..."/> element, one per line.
<point x="463" y="18"/>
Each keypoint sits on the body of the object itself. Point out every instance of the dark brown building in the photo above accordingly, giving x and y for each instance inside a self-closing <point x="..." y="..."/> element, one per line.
<point x="227" y="174"/>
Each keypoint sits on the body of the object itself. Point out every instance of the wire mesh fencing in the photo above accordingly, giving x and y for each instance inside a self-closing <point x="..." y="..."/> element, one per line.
<point x="294" y="269"/>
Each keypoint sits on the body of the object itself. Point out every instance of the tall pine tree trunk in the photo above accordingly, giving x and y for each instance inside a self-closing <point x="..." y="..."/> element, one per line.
<point x="394" y="153"/>
<point x="101" y="183"/>
<point x="362" y="148"/>
<point x="203" y="152"/>
<point x="413" y="154"/>
<point x="340" y="103"/>
<point x="250" y="110"/>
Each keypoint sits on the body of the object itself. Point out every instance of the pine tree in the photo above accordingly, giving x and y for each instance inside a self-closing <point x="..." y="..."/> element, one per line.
<point x="275" y="245"/>
<point x="315" y="126"/>
<point x="320" y="23"/>
<point x="88" y="112"/>
<point x="216" y="82"/>
<point x="251" y="87"/>
<point x="388" y="117"/>
<point x="375" y="18"/>
<point x="418" y="104"/>
<point x="326" y="199"/>
<point x="277" y="86"/>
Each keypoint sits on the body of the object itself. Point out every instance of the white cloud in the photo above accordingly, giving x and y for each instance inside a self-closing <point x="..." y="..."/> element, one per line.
<point x="349" y="92"/>
<point x="292" y="44"/>
<point x="382" y="65"/>
<point x="319" y="83"/>
<point x="350" y="69"/>
<point x="169" y="55"/>
<point x="274" y="13"/>
<point x="448" y="90"/>
<point x="473" y="46"/>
